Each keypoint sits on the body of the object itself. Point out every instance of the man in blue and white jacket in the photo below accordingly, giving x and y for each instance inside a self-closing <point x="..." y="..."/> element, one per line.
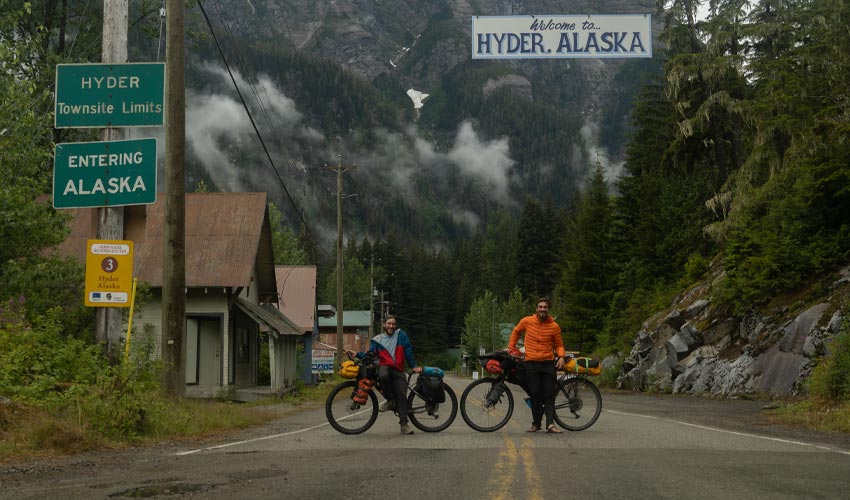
<point x="393" y="347"/>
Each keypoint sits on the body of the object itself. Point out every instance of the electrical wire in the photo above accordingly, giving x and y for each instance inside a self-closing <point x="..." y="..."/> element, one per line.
<point x="245" y="68"/>
<point x="161" y="22"/>
<point x="256" y="130"/>
<point x="441" y="325"/>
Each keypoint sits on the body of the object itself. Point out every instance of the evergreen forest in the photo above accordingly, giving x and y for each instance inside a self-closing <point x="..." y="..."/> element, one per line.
<point x="736" y="155"/>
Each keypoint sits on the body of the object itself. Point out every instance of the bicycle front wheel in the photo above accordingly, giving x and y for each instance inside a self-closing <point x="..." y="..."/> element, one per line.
<point x="432" y="417"/>
<point x="345" y="415"/>
<point x="486" y="404"/>
<point x="577" y="404"/>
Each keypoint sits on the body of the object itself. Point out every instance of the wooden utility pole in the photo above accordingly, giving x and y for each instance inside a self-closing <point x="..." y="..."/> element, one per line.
<point x="339" y="268"/>
<point x="372" y="293"/>
<point x="110" y="220"/>
<point x="174" y="233"/>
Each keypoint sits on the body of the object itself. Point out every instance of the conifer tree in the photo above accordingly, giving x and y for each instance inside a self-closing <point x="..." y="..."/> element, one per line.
<point x="589" y="276"/>
<point x="535" y="238"/>
<point x="500" y="254"/>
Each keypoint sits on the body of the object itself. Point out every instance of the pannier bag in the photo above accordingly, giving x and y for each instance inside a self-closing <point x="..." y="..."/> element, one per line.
<point x="589" y="366"/>
<point x="348" y="369"/>
<point x="430" y="384"/>
<point x="361" y="394"/>
<point x="433" y="371"/>
<point x="493" y="366"/>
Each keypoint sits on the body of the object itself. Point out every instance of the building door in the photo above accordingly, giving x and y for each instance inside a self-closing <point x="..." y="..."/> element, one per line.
<point x="209" y="352"/>
<point x="203" y="351"/>
<point x="192" y="351"/>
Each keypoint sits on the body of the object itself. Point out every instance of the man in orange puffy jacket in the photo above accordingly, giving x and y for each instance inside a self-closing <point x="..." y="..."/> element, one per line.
<point x="542" y="340"/>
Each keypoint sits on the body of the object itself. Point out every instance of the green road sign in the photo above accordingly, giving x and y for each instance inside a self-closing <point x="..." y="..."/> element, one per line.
<point x="104" y="174"/>
<point x="110" y="95"/>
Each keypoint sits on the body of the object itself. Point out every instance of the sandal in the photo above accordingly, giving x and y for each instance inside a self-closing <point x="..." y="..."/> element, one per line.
<point x="533" y="428"/>
<point x="553" y="429"/>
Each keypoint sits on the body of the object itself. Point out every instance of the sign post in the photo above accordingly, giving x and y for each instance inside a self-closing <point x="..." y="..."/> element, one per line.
<point x="109" y="273"/>
<point x="110" y="95"/>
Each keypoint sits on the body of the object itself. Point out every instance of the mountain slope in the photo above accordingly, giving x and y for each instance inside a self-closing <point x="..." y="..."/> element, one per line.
<point x="489" y="134"/>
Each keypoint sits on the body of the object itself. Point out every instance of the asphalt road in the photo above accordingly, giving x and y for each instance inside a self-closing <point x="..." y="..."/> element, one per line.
<point x="642" y="447"/>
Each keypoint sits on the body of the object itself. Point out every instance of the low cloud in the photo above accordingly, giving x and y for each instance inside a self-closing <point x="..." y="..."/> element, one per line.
<point x="597" y="153"/>
<point x="487" y="163"/>
<point x="220" y="134"/>
<point x="400" y="160"/>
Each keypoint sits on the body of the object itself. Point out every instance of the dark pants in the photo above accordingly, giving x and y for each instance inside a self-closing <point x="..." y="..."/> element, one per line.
<point x="394" y="385"/>
<point x="541" y="380"/>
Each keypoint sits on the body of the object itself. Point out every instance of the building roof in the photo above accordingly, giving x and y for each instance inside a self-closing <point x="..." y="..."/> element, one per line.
<point x="355" y="319"/>
<point x="268" y="316"/>
<point x="226" y="235"/>
<point x="326" y="311"/>
<point x="296" y="294"/>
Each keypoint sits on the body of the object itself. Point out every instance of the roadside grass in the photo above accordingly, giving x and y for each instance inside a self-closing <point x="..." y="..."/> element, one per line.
<point x="816" y="414"/>
<point x="31" y="432"/>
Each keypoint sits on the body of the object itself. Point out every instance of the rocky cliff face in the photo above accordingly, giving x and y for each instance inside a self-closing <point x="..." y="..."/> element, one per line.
<point x="695" y="347"/>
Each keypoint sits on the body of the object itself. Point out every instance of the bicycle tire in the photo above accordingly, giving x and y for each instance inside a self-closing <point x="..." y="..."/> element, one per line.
<point x="480" y="415"/>
<point x="345" y="415"/>
<point x="577" y="404"/>
<point x="429" y="418"/>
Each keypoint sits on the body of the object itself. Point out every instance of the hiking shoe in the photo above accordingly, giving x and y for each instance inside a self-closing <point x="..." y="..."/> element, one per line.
<point x="387" y="406"/>
<point x="405" y="429"/>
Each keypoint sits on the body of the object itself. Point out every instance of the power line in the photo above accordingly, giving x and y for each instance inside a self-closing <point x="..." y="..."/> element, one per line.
<point x="276" y="133"/>
<point x="254" y="125"/>
<point x="442" y="325"/>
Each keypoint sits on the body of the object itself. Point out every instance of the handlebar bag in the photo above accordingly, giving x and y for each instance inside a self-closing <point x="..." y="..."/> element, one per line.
<point x="348" y="369"/>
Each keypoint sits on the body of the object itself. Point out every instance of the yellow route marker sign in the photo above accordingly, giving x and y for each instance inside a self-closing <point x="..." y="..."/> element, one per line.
<point x="109" y="273"/>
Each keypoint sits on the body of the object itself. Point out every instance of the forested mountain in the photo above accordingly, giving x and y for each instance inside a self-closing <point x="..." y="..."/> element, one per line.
<point x="329" y="79"/>
<point x="730" y="145"/>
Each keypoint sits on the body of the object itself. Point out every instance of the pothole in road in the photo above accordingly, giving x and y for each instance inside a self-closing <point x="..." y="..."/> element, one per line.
<point x="162" y="489"/>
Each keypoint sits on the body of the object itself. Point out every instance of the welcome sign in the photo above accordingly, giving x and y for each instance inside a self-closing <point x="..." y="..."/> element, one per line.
<point x="568" y="36"/>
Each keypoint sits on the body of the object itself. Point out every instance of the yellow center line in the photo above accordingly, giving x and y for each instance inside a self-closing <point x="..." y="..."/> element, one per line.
<point x="501" y="482"/>
<point x="502" y="485"/>
<point x="532" y="479"/>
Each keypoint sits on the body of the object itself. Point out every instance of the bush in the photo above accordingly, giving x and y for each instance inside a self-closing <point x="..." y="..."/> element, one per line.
<point x="695" y="268"/>
<point x="831" y="377"/>
<point x="608" y="377"/>
<point x="70" y="378"/>
<point x="37" y="363"/>
<point x="125" y="403"/>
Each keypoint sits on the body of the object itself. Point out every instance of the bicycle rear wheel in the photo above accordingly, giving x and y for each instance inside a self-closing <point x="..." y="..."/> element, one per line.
<point x="345" y="415"/>
<point x="577" y="404"/>
<point x="483" y="407"/>
<point x="432" y="417"/>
